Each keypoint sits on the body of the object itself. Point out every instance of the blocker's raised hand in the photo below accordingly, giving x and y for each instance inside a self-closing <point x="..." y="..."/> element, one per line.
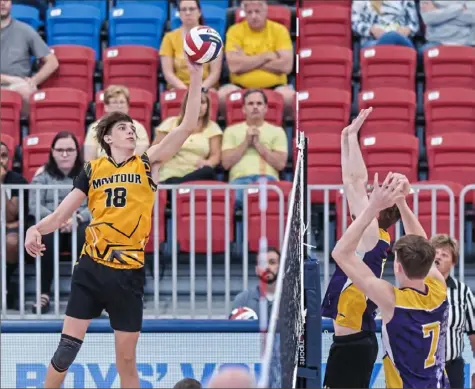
<point x="357" y="122"/>
<point x="387" y="194"/>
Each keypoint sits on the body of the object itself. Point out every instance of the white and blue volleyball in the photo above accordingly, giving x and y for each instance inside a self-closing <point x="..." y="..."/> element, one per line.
<point x="202" y="44"/>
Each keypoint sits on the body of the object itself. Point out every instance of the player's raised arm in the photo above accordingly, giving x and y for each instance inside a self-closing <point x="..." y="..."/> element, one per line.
<point x="173" y="141"/>
<point x="412" y="225"/>
<point x="355" y="179"/>
<point x="379" y="291"/>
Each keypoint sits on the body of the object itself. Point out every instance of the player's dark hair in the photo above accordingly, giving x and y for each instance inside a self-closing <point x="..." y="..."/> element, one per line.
<point x="389" y="216"/>
<point x="188" y="383"/>
<point x="416" y="255"/>
<point x="206" y="115"/>
<point x="4" y="144"/>
<point x="201" y="20"/>
<point x="51" y="167"/>
<point x="272" y="249"/>
<point x="251" y="91"/>
<point x="105" y="125"/>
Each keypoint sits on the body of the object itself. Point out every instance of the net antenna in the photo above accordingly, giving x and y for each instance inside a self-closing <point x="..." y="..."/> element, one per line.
<point x="284" y="351"/>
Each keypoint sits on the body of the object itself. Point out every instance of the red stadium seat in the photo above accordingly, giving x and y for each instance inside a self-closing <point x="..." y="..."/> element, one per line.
<point x="340" y="219"/>
<point x="451" y="157"/>
<point x="58" y="109"/>
<point x="394" y="110"/>
<point x="10" y="112"/>
<point x="218" y="218"/>
<point x="170" y="103"/>
<point x="325" y="66"/>
<point x="162" y="202"/>
<point x="388" y="66"/>
<point x="391" y="152"/>
<point x="277" y="13"/>
<point x="275" y="107"/>
<point x="325" y="24"/>
<point x="141" y="107"/>
<point x="442" y="216"/>
<point x="11" y="145"/>
<point x="449" y="110"/>
<point x="36" y="150"/>
<point x="324" y="110"/>
<point x="132" y="66"/>
<point x="272" y="215"/>
<point x="76" y="69"/>
<point x="340" y="3"/>
<point x="324" y="163"/>
<point x="450" y="66"/>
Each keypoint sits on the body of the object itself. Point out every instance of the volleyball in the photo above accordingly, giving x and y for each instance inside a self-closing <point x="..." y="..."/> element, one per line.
<point x="202" y="44"/>
<point x="243" y="313"/>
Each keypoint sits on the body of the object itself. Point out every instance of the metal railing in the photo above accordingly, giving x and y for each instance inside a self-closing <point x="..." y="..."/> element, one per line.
<point x="173" y="253"/>
<point x="176" y="192"/>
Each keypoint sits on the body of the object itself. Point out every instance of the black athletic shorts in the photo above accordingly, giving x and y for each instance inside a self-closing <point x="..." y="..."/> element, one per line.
<point x="351" y="360"/>
<point x="95" y="287"/>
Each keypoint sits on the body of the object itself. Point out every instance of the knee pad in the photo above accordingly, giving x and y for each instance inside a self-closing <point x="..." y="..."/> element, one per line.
<point x="66" y="353"/>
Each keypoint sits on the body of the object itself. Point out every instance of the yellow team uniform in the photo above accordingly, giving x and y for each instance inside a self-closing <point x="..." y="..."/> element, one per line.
<point x="251" y="163"/>
<point x="273" y="37"/>
<point x="120" y="198"/>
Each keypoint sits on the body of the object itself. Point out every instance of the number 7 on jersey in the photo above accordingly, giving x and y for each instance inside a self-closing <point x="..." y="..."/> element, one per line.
<point x="431" y="330"/>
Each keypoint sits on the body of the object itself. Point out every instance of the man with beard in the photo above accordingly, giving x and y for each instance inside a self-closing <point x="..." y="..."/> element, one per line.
<point x="249" y="298"/>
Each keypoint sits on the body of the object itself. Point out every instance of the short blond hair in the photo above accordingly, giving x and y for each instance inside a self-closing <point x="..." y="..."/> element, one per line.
<point x="444" y="241"/>
<point x="115" y="91"/>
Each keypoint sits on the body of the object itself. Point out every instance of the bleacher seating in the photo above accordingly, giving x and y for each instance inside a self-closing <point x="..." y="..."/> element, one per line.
<point x="386" y="152"/>
<point x="27" y="14"/>
<point x="74" y="24"/>
<point x="76" y="69"/>
<point x="388" y="66"/>
<point x="10" y="108"/>
<point x="325" y="66"/>
<point x="323" y="109"/>
<point x="136" y="24"/>
<point x="394" y="110"/>
<point x="58" y="109"/>
<point x="449" y="110"/>
<point x="101" y="5"/>
<point x="132" y="66"/>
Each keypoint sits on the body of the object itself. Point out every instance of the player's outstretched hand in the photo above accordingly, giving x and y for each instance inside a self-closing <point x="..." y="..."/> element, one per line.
<point x="193" y="67"/>
<point x="387" y="194"/>
<point x="357" y="122"/>
<point x="33" y="244"/>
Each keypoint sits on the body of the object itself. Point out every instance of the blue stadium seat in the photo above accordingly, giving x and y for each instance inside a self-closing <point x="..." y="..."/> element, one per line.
<point x="74" y="24"/>
<point x="136" y="24"/>
<point x="27" y="14"/>
<point x="100" y="4"/>
<point x="215" y="3"/>
<point x="162" y="4"/>
<point x="215" y="17"/>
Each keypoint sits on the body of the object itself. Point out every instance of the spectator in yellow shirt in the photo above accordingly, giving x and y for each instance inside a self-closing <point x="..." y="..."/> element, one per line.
<point x="116" y="98"/>
<point x="200" y="153"/>
<point x="254" y="148"/>
<point x="259" y="54"/>
<point x="172" y="54"/>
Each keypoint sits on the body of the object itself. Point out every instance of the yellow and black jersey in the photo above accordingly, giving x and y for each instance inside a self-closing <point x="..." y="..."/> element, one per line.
<point x="120" y="198"/>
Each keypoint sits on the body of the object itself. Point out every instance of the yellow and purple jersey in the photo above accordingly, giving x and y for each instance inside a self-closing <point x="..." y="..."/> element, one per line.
<point x="348" y="305"/>
<point x="414" y="339"/>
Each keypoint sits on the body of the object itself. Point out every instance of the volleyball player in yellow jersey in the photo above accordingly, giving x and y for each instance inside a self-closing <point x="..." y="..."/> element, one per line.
<point x="414" y="316"/>
<point x="109" y="274"/>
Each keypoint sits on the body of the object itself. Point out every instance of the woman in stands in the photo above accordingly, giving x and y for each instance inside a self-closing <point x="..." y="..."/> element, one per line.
<point x="200" y="153"/>
<point x="116" y="99"/>
<point x="385" y="22"/>
<point x="64" y="163"/>
<point x="172" y="54"/>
